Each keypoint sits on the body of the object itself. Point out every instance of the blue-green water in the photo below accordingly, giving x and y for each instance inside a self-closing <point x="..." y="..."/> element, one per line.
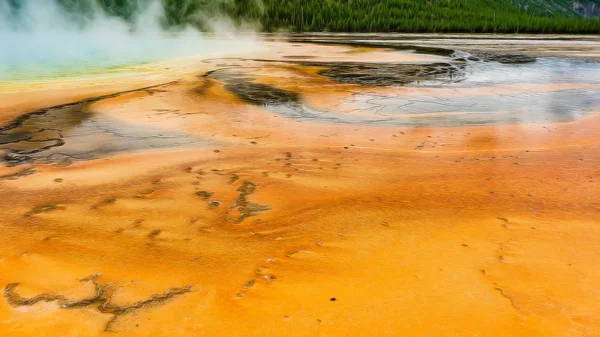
<point x="44" y="56"/>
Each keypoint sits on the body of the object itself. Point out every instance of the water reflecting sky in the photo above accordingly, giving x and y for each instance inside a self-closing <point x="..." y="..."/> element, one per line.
<point x="494" y="106"/>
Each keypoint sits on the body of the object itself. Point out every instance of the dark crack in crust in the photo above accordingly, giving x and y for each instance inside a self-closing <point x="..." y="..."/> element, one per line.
<point x="261" y="94"/>
<point x="17" y="300"/>
<point x="390" y="74"/>
<point x="157" y="299"/>
<point x="254" y="93"/>
<point x="19" y="174"/>
<point x="244" y="207"/>
<point x="501" y="58"/>
<point x="100" y="301"/>
<point x="380" y="44"/>
<point x="45" y="209"/>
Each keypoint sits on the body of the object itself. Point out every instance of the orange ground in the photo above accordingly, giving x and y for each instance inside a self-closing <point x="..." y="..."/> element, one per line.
<point x="479" y="231"/>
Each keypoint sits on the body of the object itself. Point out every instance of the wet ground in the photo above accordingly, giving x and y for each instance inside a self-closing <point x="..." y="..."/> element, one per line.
<point x="367" y="185"/>
<point x="70" y="132"/>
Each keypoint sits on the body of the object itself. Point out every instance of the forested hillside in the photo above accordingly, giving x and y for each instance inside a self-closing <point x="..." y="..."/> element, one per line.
<point x="468" y="16"/>
<point x="473" y="16"/>
<point x="568" y="8"/>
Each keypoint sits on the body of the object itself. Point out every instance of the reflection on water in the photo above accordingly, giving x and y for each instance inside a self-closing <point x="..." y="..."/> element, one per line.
<point x="558" y="106"/>
<point x="514" y="68"/>
<point x="543" y="71"/>
<point x="70" y="133"/>
<point x="462" y="72"/>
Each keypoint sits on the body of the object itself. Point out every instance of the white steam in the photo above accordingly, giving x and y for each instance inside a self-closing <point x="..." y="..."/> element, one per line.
<point x="43" y="40"/>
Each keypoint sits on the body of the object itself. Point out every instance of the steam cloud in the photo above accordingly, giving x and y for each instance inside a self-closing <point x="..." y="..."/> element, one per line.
<point x="44" y="38"/>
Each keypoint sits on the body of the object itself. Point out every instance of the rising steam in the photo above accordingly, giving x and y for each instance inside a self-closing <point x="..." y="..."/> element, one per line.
<point x="51" y="37"/>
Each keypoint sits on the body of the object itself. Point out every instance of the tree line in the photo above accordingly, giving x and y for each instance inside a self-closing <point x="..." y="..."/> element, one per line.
<point x="418" y="16"/>
<point x="443" y="16"/>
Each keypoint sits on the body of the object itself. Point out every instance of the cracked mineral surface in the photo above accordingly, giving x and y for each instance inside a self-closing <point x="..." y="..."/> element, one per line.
<point x="334" y="185"/>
